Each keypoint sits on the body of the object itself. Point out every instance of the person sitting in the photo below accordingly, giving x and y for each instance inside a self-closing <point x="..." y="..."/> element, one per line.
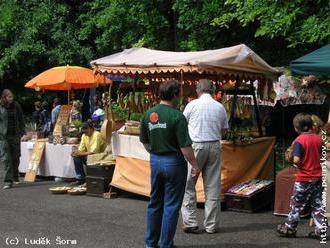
<point x="91" y="143"/>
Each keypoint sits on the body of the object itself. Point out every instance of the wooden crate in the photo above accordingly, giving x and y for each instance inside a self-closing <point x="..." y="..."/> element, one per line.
<point x="100" y="171"/>
<point x="97" y="186"/>
<point x="252" y="203"/>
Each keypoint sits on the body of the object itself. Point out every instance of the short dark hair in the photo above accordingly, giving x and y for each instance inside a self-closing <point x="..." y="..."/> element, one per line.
<point x="37" y="104"/>
<point x="303" y="122"/>
<point x="57" y="101"/>
<point x="169" y="89"/>
<point x="87" y="124"/>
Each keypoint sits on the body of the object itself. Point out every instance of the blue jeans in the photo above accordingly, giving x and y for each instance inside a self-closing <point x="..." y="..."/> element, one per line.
<point x="79" y="163"/>
<point x="168" y="181"/>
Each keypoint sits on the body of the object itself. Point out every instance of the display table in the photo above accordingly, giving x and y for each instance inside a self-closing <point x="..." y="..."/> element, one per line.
<point x="240" y="162"/>
<point x="57" y="160"/>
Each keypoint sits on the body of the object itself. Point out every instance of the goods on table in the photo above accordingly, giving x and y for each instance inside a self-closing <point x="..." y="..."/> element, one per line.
<point x="72" y="140"/>
<point x="250" y="196"/>
<point x="62" y="120"/>
<point x="104" y="158"/>
<point x="248" y="188"/>
<point x="132" y="127"/>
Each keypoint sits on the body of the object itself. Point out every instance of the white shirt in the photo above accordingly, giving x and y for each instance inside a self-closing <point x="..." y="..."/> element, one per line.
<point x="206" y="119"/>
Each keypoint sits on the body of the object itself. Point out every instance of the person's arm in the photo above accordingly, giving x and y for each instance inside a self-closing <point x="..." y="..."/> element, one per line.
<point x="298" y="152"/>
<point x="144" y="135"/>
<point x="21" y="121"/>
<point x="147" y="147"/>
<point x="52" y="117"/>
<point x="82" y="150"/>
<point x="224" y="123"/>
<point x="187" y="111"/>
<point x="185" y="142"/>
<point x="188" y="153"/>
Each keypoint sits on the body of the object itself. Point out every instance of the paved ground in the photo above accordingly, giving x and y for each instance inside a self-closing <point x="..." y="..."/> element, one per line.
<point x="31" y="212"/>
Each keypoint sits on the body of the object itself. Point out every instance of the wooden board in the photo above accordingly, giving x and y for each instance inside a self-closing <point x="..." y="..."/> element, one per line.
<point x="38" y="150"/>
<point x="62" y="120"/>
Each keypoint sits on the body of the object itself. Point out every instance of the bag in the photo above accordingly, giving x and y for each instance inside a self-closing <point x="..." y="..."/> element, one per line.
<point x="289" y="154"/>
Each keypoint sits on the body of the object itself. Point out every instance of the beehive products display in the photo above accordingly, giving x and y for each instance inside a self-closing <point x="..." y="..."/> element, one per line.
<point x="62" y="120"/>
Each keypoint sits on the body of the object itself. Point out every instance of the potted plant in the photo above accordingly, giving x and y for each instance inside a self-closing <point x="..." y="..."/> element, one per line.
<point x="33" y="131"/>
<point x="119" y="115"/>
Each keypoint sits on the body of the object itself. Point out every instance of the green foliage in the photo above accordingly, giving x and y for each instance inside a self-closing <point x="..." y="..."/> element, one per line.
<point x="77" y="124"/>
<point x="120" y="114"/>
<point x="136" y="116"/>
<point x="298" y="21"/>
<point x="38" y="34"/>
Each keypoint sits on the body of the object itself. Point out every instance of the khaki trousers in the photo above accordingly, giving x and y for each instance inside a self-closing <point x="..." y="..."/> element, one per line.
<point x="209" y="162"/>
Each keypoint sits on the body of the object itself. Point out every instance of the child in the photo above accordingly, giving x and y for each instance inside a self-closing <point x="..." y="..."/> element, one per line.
<point x="75" y="114"/>
<point x="308" y="186"/>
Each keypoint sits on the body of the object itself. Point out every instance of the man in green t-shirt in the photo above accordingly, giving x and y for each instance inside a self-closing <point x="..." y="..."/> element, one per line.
<point x="164" y="133"/>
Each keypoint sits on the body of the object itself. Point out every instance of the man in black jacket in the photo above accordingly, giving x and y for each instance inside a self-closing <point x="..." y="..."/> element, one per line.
<point x="12" y="128"/>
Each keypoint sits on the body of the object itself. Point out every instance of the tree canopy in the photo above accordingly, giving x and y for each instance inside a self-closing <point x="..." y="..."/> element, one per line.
<point x="38" y="34"/>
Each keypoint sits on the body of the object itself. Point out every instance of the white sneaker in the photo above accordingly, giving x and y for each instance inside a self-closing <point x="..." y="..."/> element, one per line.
<point x="7" y="186"/>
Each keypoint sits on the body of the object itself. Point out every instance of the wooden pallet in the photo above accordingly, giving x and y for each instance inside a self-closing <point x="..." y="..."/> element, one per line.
<point x="36" y="156"/>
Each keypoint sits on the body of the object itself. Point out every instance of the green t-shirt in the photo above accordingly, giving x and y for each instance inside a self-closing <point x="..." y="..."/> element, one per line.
<point x="165" y="129"/>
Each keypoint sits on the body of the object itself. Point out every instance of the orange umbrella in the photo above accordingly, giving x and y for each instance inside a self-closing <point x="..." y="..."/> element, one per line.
<point x="67" y="78"/>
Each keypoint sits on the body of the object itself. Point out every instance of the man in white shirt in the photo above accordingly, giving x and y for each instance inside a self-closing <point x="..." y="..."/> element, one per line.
<point x="207" y="121"/>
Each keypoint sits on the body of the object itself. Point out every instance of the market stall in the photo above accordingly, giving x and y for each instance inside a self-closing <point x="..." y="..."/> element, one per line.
<point x="232" y="70"/>
<point x="132" y="165"/>
<point x="56" y="162"/>
<point x="54" y="157"/>
<point x="317" y="64"/>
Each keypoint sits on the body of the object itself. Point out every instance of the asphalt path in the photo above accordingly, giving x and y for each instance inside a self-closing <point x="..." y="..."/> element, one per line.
<point x="29" y="213"/>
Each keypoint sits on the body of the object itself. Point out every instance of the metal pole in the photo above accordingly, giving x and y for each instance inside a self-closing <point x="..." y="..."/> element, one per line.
<point x="256" y="110"/>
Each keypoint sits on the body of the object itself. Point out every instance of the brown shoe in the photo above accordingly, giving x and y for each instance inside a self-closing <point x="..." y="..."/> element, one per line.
<point x="193" y="230"/>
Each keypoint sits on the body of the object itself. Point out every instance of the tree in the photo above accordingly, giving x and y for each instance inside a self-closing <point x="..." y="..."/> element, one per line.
<point x="299" y="22"/>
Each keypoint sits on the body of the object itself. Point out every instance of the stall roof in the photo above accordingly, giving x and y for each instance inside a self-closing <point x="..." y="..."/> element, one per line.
<point x="316" y="63"/>
<point x="236" y="60"/>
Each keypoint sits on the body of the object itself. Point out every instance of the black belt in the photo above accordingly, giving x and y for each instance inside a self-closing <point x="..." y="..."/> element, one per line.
<point x="211" y="141"/>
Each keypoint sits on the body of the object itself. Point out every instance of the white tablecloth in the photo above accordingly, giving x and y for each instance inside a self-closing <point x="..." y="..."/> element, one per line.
<point x="57" y="160"/>
<point x="128" y="146"/>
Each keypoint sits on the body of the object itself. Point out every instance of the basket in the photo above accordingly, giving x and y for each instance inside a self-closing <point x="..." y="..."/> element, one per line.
<point x="59" y="190"/>
<point x="77" y="191"/>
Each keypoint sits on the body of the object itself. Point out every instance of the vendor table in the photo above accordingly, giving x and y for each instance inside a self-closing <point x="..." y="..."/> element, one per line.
<point x="240" y="162"/>
<point x="57" y="160"/>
